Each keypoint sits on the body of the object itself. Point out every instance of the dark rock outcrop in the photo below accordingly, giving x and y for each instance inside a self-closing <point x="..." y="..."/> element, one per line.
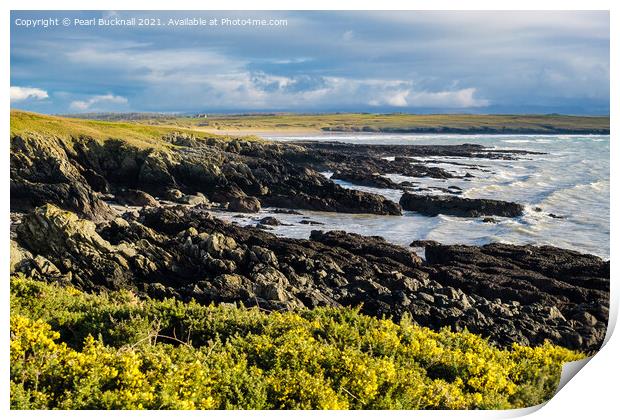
<point x="72" y="175"/>
<point x="365" y="179"/>
<point x="555" y="286"/>
<point x="270" y="221"/>
<point x="42" y="172"/>
<point x="432" y="205"/>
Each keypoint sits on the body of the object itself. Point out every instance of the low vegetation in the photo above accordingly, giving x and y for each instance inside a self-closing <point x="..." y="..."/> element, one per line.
<point x="75" y="350"/>
<point x="459" y="123"/>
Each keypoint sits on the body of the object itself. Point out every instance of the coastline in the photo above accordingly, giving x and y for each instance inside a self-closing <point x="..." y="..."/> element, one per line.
<point x="151" y="226"/>
<point x="319" y="132"/>
<point x="312" y="124"/>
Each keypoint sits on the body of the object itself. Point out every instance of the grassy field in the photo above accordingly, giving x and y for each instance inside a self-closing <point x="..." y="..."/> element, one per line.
<point x="388" y="123"/>
<point x="148" y="130"/>
<point x="137" y="134"/>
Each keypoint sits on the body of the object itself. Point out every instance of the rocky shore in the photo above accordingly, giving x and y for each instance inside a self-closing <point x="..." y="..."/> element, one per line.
<point x="112" y="215"/>
<point x="509" y="293"/>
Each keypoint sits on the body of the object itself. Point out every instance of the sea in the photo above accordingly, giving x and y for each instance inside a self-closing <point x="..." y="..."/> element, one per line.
<point x="565" y="192"/>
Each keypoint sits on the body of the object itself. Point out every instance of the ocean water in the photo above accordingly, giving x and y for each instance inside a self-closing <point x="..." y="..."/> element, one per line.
<point x="571" y="181"/>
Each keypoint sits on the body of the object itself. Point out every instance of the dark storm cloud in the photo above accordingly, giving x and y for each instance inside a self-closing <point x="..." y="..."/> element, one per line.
<point x="364" y="61"/>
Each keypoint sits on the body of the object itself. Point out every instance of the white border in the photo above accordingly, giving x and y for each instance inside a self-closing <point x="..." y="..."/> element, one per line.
<point x="591" y="394"/>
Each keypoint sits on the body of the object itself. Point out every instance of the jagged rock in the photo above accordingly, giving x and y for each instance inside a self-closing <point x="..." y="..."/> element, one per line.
<point x="70" y="243"/>
<point x="97" y="182"/>
<point x="42" y="172"/>
<point x="265" y="256"/>
<point x="426" y="297"/>
<point x="229" y="288"/>
<point x="421" y="243"/>
<point x="507" y="293"/>
<point x="285" y="211"/>
<point x="586" y="318"/>
<point x="554" y="314"/>
<point x="457" y="206"/>
<point x="366" y="246"/>
<point x="217" y="244"/>
<point x="17" y="255"/>
<point x="542" y="284"/>
<point x="45" y="267"/>
<point x="154" y="172"/>
<point x="156" y="290"/>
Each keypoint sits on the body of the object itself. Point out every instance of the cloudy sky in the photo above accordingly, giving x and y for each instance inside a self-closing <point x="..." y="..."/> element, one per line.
<point x="475" y="62"/>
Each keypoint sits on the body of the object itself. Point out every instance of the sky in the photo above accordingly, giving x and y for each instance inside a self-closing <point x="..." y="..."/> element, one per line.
<point x="415" y="62"/>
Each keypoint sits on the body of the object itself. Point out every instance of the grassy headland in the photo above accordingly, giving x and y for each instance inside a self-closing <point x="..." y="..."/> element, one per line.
<point x="137" y="134"/>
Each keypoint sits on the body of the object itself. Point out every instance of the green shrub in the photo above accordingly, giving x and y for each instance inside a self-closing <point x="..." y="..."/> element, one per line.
<point x="71" y="349"/>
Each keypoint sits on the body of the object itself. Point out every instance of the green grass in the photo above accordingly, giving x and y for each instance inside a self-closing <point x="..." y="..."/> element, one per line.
<point x="139" y="135"/>
<point x="75" y="350"/>
<point x="386" y="122"/>
<point x="148" y="132"/>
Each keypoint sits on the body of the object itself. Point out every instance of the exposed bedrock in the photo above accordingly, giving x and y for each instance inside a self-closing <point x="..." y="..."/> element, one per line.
<point x="432" y="205"/>
<point x="76" y="175"/>
<point x="508" y="293"/>
<point x="41" y="172"/>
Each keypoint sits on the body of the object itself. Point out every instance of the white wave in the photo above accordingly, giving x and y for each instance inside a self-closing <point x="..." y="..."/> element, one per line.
<point x="571" y="181"/>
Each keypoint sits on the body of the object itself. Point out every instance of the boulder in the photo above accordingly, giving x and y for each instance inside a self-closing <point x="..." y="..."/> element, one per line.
<point x="244" y="204"/>
<point x="17" y="255"/>
<point x="193" y="200"/>
<point x="136" y="198"/>
<point x="173" y="194"/>
<point x="270" y="221"/>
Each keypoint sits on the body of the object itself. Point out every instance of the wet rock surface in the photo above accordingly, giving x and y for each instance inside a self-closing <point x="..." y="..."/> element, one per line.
<point x="432" y="205"/>
<point x="365" y="179"/>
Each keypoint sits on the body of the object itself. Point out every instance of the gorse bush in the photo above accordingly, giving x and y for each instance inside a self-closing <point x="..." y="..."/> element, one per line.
<point x="74" y="350"/>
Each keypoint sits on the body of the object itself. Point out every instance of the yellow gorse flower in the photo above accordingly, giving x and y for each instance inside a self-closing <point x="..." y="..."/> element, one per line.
<point x="119" y="353"/>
